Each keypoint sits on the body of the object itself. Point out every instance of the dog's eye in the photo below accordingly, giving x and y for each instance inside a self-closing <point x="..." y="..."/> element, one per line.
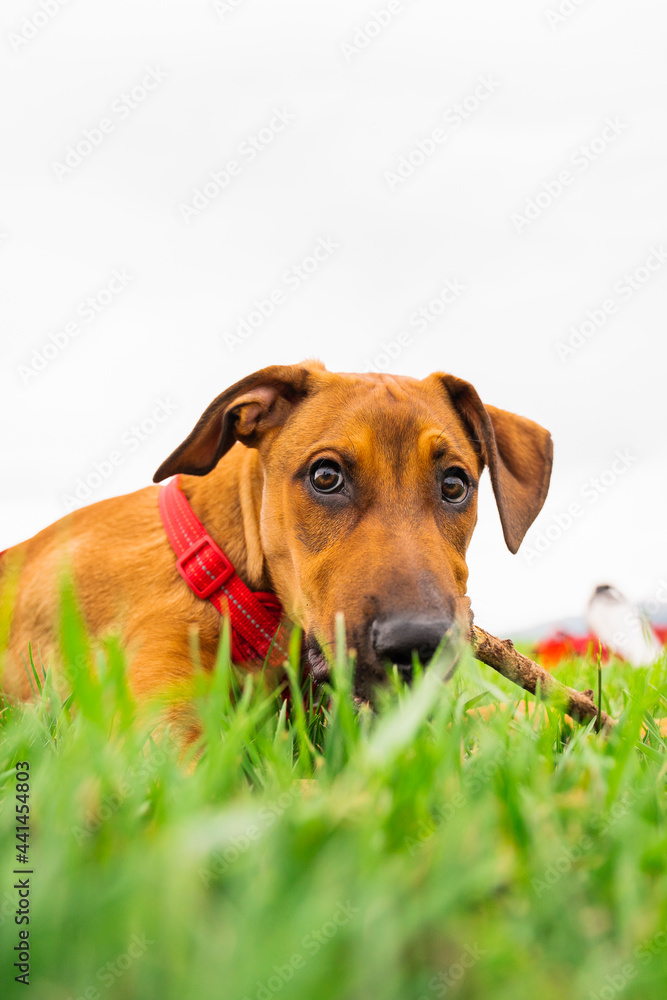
<point x="326" y="477"/>
<point x="455" y="486"/>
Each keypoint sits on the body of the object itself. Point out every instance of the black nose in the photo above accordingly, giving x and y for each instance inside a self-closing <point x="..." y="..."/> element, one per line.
<point x="395" y="638"/>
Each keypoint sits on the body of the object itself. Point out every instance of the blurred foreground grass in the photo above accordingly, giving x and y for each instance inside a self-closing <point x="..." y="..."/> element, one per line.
<point x="320" y="853"/>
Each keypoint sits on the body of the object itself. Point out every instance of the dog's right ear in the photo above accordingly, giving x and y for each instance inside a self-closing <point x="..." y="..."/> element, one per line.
<point x="241" y="413"/>
<point x="518" y="452"/>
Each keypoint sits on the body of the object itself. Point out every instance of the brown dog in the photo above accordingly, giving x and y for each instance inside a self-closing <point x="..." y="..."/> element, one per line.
<point x="339" y="492"/>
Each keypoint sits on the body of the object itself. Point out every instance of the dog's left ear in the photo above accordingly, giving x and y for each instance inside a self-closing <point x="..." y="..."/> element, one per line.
<point x="244" y="413"/>
<point x="518" y="452"/>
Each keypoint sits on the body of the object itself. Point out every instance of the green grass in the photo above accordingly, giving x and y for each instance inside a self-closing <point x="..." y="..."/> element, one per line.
<point x="315" y="852"/>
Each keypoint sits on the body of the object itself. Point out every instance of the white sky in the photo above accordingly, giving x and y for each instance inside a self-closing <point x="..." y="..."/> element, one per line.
<point x="219" y="72"/>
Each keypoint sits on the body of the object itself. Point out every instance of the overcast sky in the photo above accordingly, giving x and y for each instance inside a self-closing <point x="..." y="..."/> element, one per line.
<point x="485" y="187"/>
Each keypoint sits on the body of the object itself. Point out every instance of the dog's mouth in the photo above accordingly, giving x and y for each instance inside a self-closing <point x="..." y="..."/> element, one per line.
<point x="321" y="673"/>
<point x="319" y="668"/>
<point x="367" y="672"/>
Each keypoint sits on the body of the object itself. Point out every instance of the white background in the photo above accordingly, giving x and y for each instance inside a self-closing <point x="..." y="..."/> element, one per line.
<point x="359" y="103"/>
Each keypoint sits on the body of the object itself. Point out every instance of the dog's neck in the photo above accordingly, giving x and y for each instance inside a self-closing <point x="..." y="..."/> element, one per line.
<point x="228" y="503"/>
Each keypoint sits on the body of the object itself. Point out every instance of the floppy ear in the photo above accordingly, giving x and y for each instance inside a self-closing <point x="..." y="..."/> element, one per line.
<point x="241" y="413"/>
<point x="518" y="452"/>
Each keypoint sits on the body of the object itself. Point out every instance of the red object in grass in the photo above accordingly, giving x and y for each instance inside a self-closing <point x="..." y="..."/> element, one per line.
<point x="562" y="646"/>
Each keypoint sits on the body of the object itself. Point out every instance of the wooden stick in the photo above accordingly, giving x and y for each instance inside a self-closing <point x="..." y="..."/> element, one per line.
<point x="503" y="657"/>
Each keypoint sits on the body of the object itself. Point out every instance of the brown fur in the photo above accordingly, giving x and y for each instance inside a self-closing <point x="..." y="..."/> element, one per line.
<point x="392" y="547"/>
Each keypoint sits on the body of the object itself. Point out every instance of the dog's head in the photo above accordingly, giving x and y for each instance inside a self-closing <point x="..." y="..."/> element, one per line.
<point x="369" y="498"/>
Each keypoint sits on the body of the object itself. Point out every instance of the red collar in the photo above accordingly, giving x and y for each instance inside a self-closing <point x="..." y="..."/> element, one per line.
<point x="255" y="617"/>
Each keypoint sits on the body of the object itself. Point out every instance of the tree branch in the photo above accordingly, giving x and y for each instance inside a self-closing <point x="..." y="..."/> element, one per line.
<point x="503" y="657"/>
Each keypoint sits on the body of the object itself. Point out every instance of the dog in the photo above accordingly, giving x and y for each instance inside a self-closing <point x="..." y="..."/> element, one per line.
<point x="324" y="493"/>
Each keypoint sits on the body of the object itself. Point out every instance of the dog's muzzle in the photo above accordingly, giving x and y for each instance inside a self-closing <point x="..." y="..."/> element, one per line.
<point x="394" y="640"/>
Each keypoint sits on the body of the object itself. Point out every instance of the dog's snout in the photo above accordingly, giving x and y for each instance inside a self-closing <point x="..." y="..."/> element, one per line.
<point x="396" y="638"/>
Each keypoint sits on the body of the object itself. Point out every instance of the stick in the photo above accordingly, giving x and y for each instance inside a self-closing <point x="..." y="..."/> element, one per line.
<point x="503" y="657"/>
